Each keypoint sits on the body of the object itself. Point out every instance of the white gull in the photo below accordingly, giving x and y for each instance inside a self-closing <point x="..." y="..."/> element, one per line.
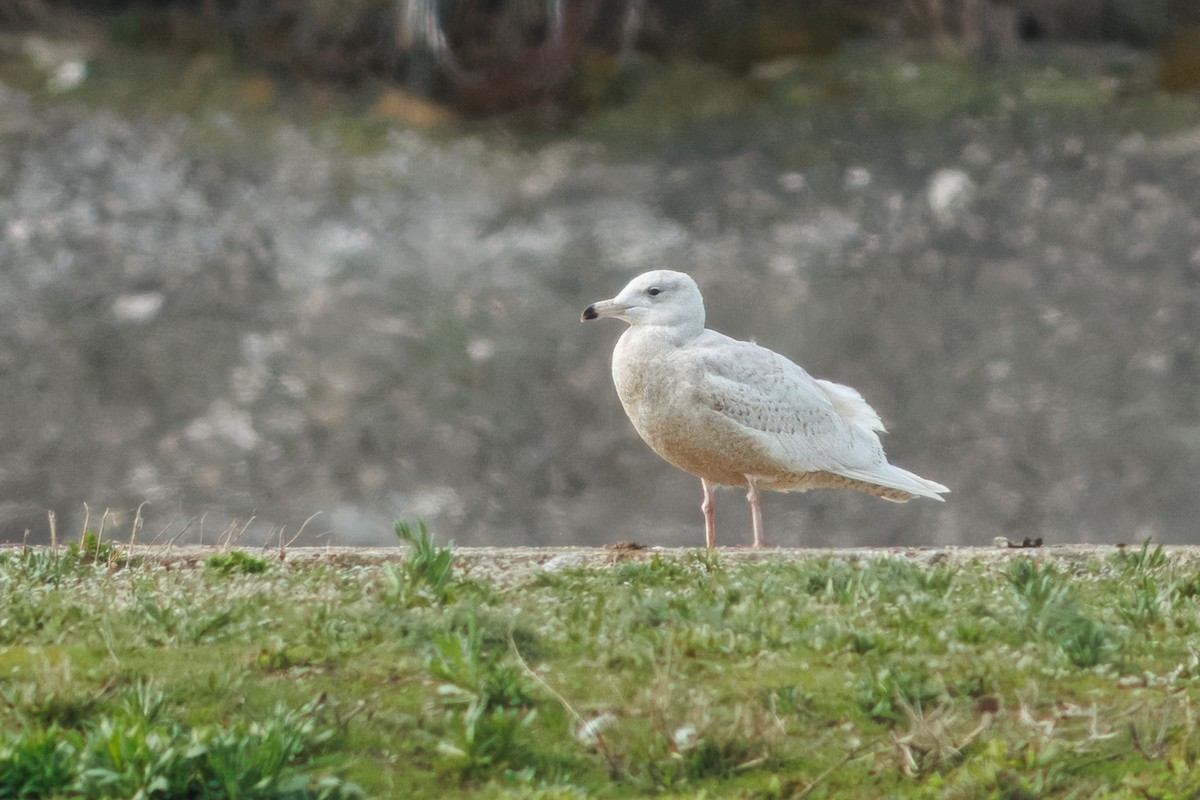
<point x="737" y="414"/>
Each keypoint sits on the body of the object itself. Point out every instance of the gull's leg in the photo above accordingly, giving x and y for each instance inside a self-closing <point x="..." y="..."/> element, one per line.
<point x="755" y="512"/>
<point x="710" y="528"/>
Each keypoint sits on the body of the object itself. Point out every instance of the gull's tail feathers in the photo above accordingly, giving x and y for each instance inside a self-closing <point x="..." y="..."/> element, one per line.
<point x="894" y="477"/>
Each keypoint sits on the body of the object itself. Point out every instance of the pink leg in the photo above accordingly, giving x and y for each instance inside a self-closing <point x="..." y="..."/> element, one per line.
<point x="755" y="512"/>
<point x="710" y="528"/>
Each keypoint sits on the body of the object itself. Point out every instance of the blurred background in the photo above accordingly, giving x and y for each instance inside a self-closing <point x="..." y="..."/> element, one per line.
<point x="262" y="260"/>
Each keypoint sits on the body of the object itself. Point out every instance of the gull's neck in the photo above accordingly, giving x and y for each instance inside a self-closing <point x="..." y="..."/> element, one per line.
<point x="676" y="333"/>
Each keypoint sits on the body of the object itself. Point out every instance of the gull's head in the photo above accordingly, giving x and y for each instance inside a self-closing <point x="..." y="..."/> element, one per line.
<point x="662" y="297"/>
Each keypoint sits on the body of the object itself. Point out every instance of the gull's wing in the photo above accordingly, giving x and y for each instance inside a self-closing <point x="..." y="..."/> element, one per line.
<point x="794" y="416"/>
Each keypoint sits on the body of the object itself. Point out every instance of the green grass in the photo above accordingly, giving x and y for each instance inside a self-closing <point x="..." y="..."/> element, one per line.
<point x="671" y="676"/>
<point x="234" y="561"/>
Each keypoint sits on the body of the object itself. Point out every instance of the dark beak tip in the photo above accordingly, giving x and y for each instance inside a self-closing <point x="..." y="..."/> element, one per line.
<point x="589" y="313"/>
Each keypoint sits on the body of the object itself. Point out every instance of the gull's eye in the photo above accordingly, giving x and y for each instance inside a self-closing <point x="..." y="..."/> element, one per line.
<point x="654" y="291"/>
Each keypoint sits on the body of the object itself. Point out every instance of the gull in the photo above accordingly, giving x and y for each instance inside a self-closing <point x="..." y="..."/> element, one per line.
<point x="736" y="414"/>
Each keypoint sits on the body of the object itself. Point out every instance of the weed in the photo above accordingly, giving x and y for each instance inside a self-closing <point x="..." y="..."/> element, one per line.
<point x="251" y="758"/>
<point x="425" y="577"/>
<point x="24" y="705"/>
<point x="885" y="691"/>
<point x="38" y="762"/>
<point x="937" y="579"/>
<point x="489" y="707"/>
<point x="861" y="643"/>
<point x="976" y="626"/>
<point x="687" y="757"/>
<point x="53" y="566"/>
<point x="37" y="566"/>
<point x="136" y="751"/>
<point x="329" y="631"/>
<point x="842" y="582"/>
<point x="1038" y="587"/>
<point x="790" y="699"/>
<point x="235" y="561"/>
<point x="91" y="550"/>
<point x="172" y="624"/>
<point x="658" y="571"/>
<point x="837" y="583"/>
<point x="1143" y="560"/>
<point x="1053" y="614"/>
<point x="24" y="614"/>
<point x="482" y="741"/>
<point x="1085" y="642"/>
<point x="145" y="701"/>
<point x="708" y="560"/>
<point x="1186" y="587"/>
<point x="472" y="672"/>
<point x="1144" y="608"/>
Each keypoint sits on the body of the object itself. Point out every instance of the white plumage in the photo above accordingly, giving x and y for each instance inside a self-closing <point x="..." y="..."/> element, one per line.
<point x="737" y="414"/>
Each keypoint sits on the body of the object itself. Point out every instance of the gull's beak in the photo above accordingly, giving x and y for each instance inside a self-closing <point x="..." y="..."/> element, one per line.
<point x="605" y="308"/>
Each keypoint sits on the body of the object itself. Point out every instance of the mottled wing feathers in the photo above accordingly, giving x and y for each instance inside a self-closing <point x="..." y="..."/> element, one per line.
<point x="805" y="424"/>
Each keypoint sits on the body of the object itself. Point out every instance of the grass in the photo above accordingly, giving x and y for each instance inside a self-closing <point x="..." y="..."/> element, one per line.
<point x="234" y="561"/>
<point x="673" y="676"/>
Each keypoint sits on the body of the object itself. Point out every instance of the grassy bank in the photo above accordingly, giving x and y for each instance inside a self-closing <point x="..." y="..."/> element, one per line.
<point x="826" y="676"/>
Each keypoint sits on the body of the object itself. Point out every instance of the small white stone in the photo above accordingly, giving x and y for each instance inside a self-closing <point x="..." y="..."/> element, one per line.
<point x="950" y="192"/>
<point x="858" y="178"/>
<point x="792" y="181"/>
<point x="67" y="76"/>
<point x="481" y="349"/>
<point x="138" y="307"/>
<point x="563" y="561"/>
<point x="685" y="737"/>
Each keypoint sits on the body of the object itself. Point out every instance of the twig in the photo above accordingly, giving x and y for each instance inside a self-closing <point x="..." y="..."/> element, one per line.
<point x="283" y="547"/>
<point x="171" y="542"/>
<point x="100" y="533"/>
<point x="151" y="553"/>
<point x="229" y="538"/>
<point x="137" y="526"/>
<point x="576" y="717"/>
<point x="525" y="666"/>
<point x="817" y="781"/>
